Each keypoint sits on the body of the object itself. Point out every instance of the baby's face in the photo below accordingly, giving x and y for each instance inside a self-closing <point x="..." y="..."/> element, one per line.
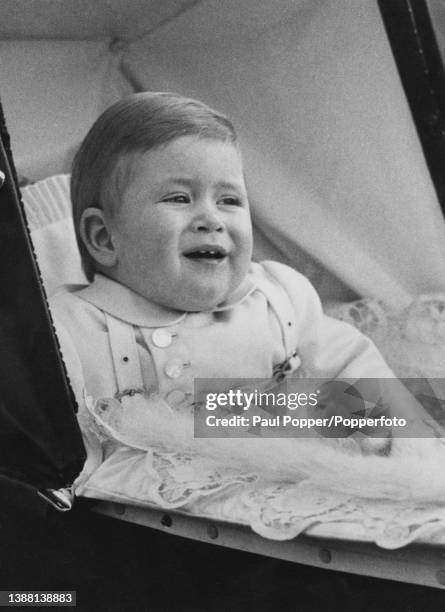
<point x="182" y="231"/>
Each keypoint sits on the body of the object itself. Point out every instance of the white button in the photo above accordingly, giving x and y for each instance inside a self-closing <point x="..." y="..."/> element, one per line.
<point x="175" y="397"/>
<point x="173" y="369"/>
<point x="161" y="338"/>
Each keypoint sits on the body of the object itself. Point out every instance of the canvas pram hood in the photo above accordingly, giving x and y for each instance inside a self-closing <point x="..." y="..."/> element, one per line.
<point x="40" y="442"/>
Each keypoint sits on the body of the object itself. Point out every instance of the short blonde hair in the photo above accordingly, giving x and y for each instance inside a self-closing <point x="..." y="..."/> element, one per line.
<point x="136" y="124"/>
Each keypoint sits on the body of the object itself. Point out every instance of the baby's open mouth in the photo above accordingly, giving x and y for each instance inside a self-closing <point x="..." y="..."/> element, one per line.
<point x="210" y="253"/>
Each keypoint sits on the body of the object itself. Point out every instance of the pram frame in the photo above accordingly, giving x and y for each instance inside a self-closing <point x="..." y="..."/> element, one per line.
<point x="420" y="564"/>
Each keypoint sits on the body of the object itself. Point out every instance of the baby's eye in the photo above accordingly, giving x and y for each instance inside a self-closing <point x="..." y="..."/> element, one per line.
<point x="230" y="201"/>
<point x="179" y="198"/>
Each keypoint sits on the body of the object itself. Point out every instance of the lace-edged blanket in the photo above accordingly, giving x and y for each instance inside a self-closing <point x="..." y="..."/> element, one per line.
<point x="290" y="486"/>
<point x="411" y="340"/>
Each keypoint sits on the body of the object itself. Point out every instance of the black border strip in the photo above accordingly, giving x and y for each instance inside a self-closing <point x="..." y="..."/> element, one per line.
<point x="40" y="439"/>
<point x="417" y="56"/>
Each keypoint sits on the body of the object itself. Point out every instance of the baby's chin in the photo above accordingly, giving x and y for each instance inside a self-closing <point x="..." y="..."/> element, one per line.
<point x="197" y="303"/>
<point x="202" y="300"/>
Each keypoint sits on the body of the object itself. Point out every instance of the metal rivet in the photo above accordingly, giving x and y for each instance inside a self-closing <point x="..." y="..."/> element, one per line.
<point x="325" y="555"/>
<point x="440" y="575"/>
<point x="125" y="359"/>
<point x="119" y="509"/>
<point x="166" y="520"/>
<point x="289" y="323"/>
<point x="212" y="531"/>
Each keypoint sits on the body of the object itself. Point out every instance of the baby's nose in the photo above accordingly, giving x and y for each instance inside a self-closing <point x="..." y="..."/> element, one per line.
<point x="207" y="221"/>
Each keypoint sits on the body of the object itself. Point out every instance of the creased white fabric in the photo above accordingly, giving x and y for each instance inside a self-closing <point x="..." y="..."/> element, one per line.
<point x="48" y="214"/>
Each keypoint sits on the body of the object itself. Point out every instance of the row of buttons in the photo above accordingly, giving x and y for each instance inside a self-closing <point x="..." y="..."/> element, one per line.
<point x="162" y="338"/>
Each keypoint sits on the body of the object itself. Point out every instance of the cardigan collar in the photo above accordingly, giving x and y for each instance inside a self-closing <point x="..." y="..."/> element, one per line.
<point x="127" y="305"/>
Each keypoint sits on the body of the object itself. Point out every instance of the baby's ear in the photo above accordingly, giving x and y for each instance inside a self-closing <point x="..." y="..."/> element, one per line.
<point x="96" y="237"/>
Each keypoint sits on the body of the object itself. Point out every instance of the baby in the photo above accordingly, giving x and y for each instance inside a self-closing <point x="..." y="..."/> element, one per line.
<point x="162" y="219"/>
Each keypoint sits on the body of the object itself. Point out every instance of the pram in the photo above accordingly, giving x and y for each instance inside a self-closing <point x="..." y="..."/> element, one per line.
<point x="292" y="75"/>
